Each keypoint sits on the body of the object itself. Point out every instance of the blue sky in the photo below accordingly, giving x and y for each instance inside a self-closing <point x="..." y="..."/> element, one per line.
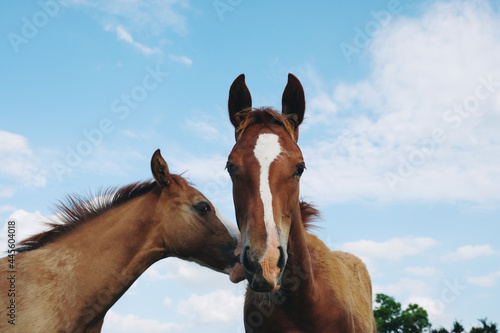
<point x="401" y="136"/>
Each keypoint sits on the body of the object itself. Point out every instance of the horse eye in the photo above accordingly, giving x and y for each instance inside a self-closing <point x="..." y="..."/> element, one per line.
<point x="202" y="207"/>
<point x="300" y="169"/>
<point x="231" y="169"/>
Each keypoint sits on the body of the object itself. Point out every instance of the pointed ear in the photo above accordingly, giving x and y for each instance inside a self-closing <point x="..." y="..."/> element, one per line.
<point x="159" y="168"/>
<point x="239" y="99"/>
<point x="293" y="100"/>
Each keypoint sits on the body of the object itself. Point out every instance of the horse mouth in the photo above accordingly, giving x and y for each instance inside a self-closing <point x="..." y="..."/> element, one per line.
<point x="261" y="285"/>
<point x="235" y="271"/>
<point x="264" y="274"/>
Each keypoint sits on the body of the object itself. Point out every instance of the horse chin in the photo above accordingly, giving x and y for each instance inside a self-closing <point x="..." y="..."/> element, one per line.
<point x="261" y="285"/>
<point x="236" y="273"/>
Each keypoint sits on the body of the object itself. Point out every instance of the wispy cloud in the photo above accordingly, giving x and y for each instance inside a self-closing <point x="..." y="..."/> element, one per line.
<point x="6" y="192"/>
<point x="468" y="252"/>
<point x="405" y="286"/>
<point x="392" y="249"/>
<point x="188" y="274"/>
<point x="488" y="280"/>
<point x="6" y="208"/>
<point x="182" y="60"/>
<point x="204" y="128"/>
<point x="155" y="16"/>
<point x="130" y="323"/>
<point x="124" y="35"/>
<point x="217" y="306"/>
<point x="19" y="164"/>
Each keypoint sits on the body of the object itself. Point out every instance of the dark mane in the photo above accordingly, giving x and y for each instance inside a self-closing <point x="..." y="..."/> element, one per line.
<point x="309" y="214"/>
<point x="76" y="210"/>
<point x="264" y="115"/>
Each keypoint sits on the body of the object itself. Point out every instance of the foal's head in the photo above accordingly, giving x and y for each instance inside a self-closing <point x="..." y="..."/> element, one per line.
<point x="265" y="166"/>
<point x="193" y="227"/>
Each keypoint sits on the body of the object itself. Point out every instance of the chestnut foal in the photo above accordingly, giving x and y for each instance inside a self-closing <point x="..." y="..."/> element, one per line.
<point x="68" y="277"/>
<point x="296" y="283"/>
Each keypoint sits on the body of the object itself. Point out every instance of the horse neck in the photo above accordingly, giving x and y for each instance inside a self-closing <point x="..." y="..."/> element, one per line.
<point x="103" y="257"/>
<point x="300" y="262"/>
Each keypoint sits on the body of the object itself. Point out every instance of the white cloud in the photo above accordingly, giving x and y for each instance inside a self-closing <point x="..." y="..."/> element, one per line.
<point x="6" y="192"/>
<point x="423" y="125"/>
<point x="489" y="280"/>
<point x="125" y="36"/>
<point x="114" y="322"/>
<point x="19" y="164"/>
<point x="435" y="309"/>
<point x="27" y="224"/>
<point x="188" y="274"/>
<point x="416" y="291"/>
<point x="6" y="208"/>
<point x="181" y="59"/>
<point x="404" y="286"/>
<point x="468" y="252"/>
<point x="218" y="306"/>
<point x="393" y="249"/>
<point x="203" y="129"/>
<point x="154" y="16"/>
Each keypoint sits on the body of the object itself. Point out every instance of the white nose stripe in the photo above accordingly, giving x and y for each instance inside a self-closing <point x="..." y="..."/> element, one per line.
<point x="267" y="149"/>
<point x="231" y="228"/>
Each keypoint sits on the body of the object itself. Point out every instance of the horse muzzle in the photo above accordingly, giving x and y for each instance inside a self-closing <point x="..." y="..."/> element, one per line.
<point x="264" y="272"/>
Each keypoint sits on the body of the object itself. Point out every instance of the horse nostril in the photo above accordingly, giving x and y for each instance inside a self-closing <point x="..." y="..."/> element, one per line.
<point x="282" y="260"/>
<point x="247" y="262"/>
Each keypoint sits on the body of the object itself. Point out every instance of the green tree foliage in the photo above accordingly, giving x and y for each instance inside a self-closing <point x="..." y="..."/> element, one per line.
<point x="457" y="327"/>
<point x="390" y="318"/>
<point x="487" y="328"/>
<point x="387" y="314"/>
<point x="415" y="319"/>
<point x="440" y="330"/>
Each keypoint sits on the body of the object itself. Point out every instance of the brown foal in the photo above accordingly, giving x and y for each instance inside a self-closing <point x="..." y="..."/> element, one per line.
<point x="69" y="276"/>
<point x="296" y="283"/>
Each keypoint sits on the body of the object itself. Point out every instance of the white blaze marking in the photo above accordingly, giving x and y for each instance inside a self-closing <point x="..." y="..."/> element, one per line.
<point x="266" y="150"/>
<point x="231" y="228"/>
<point x="233" y="231"/>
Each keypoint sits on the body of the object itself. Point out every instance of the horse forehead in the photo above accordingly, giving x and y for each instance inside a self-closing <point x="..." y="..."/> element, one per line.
<point x="266" y="137"/>
<point x="267" y="148"/>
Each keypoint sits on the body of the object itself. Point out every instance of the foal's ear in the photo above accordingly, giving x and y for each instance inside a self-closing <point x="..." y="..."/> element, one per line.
<point x="160" y="169"/>
<point x="239" y="99"/>
<point x="293" y="100"/>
